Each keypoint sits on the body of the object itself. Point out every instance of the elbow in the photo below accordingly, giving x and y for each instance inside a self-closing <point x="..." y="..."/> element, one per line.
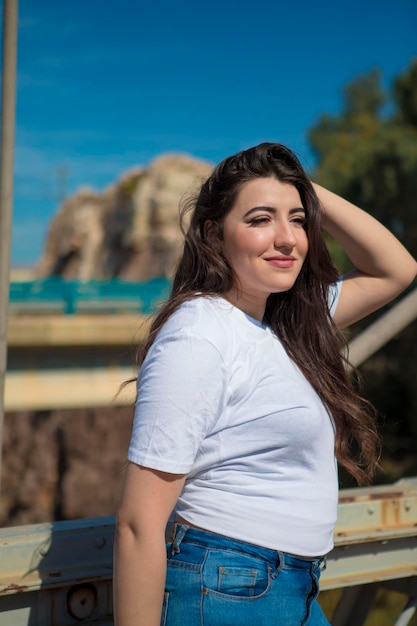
<point x="401" y="276"/>
<point x="413" y="271"/>
<point x="132" y="530"/>
<point x="408" y="275"/>
<point x="129" y="538"/>
<point x="126" y="528"/>
<point x="125" y="539"/>
<point x="393" y="285"/>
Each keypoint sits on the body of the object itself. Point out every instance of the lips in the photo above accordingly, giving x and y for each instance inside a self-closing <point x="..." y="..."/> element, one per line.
<point x="283" y="262"/>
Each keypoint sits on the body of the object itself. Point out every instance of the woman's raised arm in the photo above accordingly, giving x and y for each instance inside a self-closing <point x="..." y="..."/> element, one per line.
<point x="383" y="267"/>
<point x="148" y="498"/>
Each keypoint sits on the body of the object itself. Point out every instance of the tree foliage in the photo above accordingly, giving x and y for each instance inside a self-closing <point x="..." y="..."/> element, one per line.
<point x="368" y="154"/>
<point x="370" y="157"/>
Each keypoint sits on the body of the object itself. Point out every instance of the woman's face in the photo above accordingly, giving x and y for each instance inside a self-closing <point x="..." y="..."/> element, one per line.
<point x="264" y="238"/>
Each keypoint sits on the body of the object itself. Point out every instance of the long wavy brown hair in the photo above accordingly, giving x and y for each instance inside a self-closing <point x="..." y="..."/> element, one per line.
<point x="300" y="316"/>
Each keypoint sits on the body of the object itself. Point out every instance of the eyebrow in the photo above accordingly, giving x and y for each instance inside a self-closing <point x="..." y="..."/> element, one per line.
<point x="272" y="210"/>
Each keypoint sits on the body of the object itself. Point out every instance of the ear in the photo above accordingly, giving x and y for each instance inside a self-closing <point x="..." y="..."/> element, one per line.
<point x="212" y="234"/>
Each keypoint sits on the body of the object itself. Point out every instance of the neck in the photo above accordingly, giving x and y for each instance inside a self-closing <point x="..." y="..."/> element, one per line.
<point x="248" y="303"/>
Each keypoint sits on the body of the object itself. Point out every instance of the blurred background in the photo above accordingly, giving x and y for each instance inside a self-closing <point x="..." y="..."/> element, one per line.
<point x="124" y="107"/>
<point x="106" y="86"/>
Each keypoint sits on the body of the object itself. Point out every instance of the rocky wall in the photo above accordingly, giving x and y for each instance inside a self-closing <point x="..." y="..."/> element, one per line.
<point x="63" y="464"/>
<point x="128" y="231"/>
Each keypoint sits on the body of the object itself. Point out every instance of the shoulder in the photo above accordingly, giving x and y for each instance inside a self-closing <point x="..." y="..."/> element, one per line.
<point x="205" y="319"/>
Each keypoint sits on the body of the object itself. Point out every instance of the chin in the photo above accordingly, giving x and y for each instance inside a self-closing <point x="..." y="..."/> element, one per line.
<point x="283" y="288"/>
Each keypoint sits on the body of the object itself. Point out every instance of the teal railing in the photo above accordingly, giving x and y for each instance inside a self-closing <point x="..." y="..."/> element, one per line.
<point x="71" y="296"/>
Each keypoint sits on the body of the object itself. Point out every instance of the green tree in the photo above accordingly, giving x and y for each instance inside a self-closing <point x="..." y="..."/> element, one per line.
<point x="368" y="154"/>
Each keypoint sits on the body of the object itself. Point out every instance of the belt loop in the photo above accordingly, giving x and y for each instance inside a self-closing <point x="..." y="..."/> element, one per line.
<point x="279" y="564"/>
<point x="180" y="531"/>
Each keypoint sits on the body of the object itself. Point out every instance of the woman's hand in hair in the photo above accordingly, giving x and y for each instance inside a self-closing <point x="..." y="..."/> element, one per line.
<point x="383" y="267"/>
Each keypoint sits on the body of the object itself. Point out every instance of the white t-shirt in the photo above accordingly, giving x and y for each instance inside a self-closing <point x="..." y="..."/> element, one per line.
<point x="220" y="400"/>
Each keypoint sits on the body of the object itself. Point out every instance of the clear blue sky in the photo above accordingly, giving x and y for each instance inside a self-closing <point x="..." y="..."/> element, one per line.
<point x="105" y="85"/>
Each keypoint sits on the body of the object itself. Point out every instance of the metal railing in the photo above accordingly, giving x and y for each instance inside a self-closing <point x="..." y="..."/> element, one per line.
<point x="60" y="573"/>
<point x="57" y="295"/>
<point x="49" y="388"/>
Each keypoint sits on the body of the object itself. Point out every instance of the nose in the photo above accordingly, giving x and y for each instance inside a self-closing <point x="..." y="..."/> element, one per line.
<point x="284" y="236"/>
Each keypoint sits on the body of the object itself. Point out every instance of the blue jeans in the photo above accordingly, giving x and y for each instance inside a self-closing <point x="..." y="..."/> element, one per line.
<point x="217" y="581"/>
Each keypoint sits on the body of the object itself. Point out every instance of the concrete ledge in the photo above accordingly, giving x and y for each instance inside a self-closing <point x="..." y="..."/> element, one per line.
<point x="38" y="390"/>
<point x="78" y="330"/>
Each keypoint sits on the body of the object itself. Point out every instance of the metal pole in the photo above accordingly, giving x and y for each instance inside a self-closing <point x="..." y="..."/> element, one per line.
<point x="407" y="613"/>
<point x="385" y="328"/>
<point x="6" y="182"/>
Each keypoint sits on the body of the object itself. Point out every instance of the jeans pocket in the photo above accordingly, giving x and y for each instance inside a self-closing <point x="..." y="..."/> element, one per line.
<point x="235" y="575"/>
<point x="240" y="581"/>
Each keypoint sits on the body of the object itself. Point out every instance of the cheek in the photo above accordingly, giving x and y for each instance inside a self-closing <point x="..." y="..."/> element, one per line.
<point x="253" y="242"/>
<point x="303" y="245"/>
<point x="239" y="244"/>
<point x="234" y="244"/>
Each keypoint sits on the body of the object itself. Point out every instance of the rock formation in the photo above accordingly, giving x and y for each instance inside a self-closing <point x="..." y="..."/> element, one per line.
<point x="67" y="464"/>
<point x="130" y="231"/>
<point x="63" y="464"/>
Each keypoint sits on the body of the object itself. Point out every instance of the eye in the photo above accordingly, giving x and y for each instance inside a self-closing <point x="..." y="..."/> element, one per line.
<point x="300" y="220"/>
<point x="261" y="220"/>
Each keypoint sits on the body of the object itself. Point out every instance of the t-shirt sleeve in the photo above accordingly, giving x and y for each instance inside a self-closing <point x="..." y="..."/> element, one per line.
<point x="334" y="295"/>
<point x="181" y="389"/>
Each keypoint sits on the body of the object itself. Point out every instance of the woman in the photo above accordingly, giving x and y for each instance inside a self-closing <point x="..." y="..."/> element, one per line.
<point x="244" y="404"/>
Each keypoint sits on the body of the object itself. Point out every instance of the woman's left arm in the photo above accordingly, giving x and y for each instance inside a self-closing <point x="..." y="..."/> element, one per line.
<point x="383" y="267"/>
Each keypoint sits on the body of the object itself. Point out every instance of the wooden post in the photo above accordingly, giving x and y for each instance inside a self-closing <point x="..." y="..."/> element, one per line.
<point x="6" y="182"/>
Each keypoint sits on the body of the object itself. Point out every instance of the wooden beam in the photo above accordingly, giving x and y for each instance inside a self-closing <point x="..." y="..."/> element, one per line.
<point x="76" y="330"/>
<point x="71" y="388"/>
